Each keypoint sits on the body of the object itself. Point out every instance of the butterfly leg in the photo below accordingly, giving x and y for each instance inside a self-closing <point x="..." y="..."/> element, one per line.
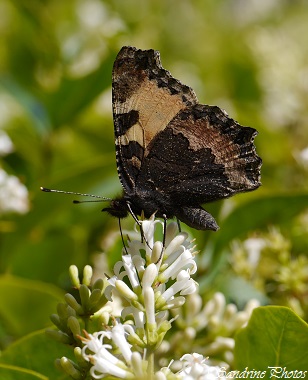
<point x="120" y="227"/>
<point x="138" y="222"/>
<point x="165" y="228"/>
<point x="179" y="224"/>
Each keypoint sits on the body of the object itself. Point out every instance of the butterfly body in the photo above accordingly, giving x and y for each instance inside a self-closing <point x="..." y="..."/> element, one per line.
<point x="173" y="153"/>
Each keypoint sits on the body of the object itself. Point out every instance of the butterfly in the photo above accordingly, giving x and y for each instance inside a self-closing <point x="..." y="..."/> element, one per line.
<point x="174" y="154"/>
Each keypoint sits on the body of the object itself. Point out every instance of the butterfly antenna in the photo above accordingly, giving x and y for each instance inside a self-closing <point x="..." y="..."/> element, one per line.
<point x="100" y="198"/>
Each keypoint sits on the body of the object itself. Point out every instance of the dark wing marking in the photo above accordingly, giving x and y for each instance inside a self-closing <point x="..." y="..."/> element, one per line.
<point x="201" y="156"/>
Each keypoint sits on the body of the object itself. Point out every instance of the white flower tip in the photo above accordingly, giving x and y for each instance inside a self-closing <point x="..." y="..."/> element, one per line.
<point x="87" y="275"/>
<point x="171" y="231"/>
<point x="149" y="303"/>
<point x="220" y="302"/>
<point x="251" y="305"/>
<point x="149" y="275"/>
<point x="137" y="364"/>
<point x="74" y="275"/>
<point x="176" y="243"/>
<point x="125" y="290"/>
<point x="157" y="252"/>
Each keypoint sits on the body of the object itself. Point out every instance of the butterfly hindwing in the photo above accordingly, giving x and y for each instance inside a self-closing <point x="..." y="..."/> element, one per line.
<point x="201" y="156"/>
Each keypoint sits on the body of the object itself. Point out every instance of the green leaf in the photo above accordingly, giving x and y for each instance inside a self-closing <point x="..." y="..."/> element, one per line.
<point x="239" y="291"/>
<point x="36" y="352"/>
<point x="259" y="214"/>
<point x="76" y="94"/>
<point x="9" y="372"/>
<point x="25" y="305"/>
<point x="31" y="104"/>
<point x="274" y="337"/>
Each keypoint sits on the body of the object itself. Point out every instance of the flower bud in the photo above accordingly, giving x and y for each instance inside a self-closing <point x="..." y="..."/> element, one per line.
<point x="176" y="243"/>
<point x="125" y="290"/>
<point x="74" y="325"/>
<point x="74" y="276"/>
<point x="59" y="336"/>
<point x="84" y="292"/>
<point x="87" y="275"/>
<point x="73" y="303"/>
<point x="99" y="284"/>
<point x="149" y="304"/>
<point x="149" y="275"/>
<point x="171" y="231"/>
<point x="157" y="252"/>
<point x="69" y="368"/>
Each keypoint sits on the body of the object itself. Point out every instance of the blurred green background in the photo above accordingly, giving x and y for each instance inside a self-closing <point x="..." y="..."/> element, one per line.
<point x="248" y="57"/>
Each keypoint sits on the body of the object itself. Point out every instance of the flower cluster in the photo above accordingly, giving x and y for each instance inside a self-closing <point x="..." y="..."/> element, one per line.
<point x="155" y="285"/>
<point x="132" y="366"/>
<point x="211" y="326"/>
<point x="13" y="194"/>
<point x="127" y="365"/>
<point x="268" y="263"/>
<point x="281" y="54"/>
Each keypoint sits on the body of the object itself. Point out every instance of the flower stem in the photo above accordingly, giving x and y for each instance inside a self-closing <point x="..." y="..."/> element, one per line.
<point x="151" y="366"/>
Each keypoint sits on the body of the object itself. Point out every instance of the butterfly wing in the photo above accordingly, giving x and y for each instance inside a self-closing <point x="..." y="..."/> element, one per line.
<point x="202" y="156"/>
<point x="145" y="99"/>
<point x="173" y="154"/>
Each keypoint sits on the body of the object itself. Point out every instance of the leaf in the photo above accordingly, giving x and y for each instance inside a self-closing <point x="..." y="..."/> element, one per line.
<point x="25" y="305"/>
<point x="9" y="372"/>
<point x="258" y="214"/>
<point x="274" y="337"/>
<point x="76" y="94"/>
<point x="33" y="107"/>
<point x="36" y="352"/>
<point x="239" y="291"/>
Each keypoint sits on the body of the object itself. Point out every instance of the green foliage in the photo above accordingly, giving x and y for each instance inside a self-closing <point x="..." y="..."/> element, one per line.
<point x="55" y="81"/>
<point x="36" y="351"/>
<point x="271" y="339"/>
<point x="19" y="296"/>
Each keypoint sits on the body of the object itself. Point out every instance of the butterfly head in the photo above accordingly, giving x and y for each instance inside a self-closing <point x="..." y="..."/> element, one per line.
<point x="118" y="208"/>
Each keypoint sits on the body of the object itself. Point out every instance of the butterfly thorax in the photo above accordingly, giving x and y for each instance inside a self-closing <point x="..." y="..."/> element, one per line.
<point x="117" y="208"/>
<point x="140" y="203"/>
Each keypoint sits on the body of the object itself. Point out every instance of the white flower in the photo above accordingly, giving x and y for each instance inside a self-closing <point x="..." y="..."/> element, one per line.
<point x="222" y="320"/>
<point x="6" y="145"/>
<point x="118" y="337"/>
<point x="151" y="288"/>
<point x="138" y="315"/>
<point x="130" y="270"/>
<point x="181" y="258"/>
<point x="183" y="285"/>
<point x="149" y="303"/>
<point x="13" y="194"/>
<point x="254" y="247"/>
<point x="149" y="275"/>
<point x="148" y="227"/>
<point x="302" y="157"/>
<point x="195" y="368"/>
<point x="104" y="361"/>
